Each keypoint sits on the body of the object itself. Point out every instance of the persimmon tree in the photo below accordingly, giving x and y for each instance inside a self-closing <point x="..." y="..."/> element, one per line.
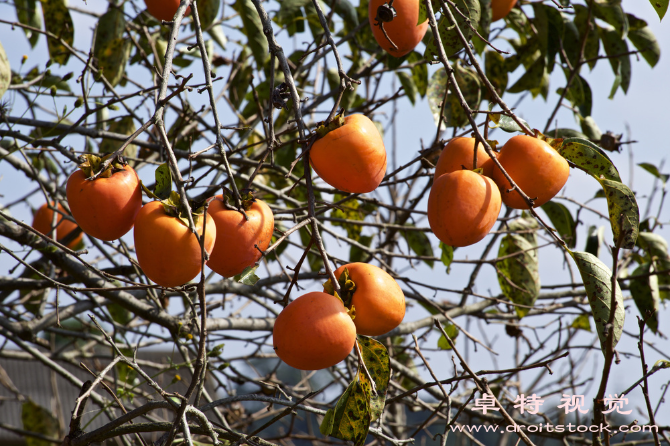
<point x="229" y="99"/>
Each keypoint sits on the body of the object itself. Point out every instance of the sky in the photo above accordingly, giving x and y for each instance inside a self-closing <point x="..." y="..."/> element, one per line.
<point x="642" y="110"/>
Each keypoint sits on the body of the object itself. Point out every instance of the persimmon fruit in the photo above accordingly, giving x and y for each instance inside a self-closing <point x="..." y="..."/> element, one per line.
<point x="313" y="332"/>
<point x="500" y="8"/>
<point x="536" y="167"/>
<point x="352" y="157"/>
<point x="167" y="251"/>
<point x="43" y="219"/>
<point x="463" y="207"/>
<point x="235" y="236"/>
<point x="402" y="30"/>
<point x="378" y="300"/>
<point x="459" y="153"/>
<point x="105" y="208"/>
<point x="164" y="9"/>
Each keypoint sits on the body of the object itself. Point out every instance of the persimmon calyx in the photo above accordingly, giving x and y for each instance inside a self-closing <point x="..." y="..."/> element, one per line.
<point x="385" y="13"/>
<point x="91" y="165"/>
<point x="347" y="288"/>
<point x="338" y="121"/>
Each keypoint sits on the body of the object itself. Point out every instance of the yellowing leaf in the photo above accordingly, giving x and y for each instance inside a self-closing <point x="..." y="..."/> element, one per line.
<point x="57" y="21"/>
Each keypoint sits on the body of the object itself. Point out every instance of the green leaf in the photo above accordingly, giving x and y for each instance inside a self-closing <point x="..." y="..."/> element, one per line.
<point x="239" y="83"/>
<point x="419" y="243"/>
<point x="39" y="420"/>
<point x="253" y="29"/>
<point x="470" y="86"/>
<point x="611" y="12"/>
<point x="644" y="40"/>
<point x="111" y="49"/>
<point x="356" y="254"/>
<point x="616" y="49"/>
<point x="590" y="128"/>
<point x="408" y="86"/>
<point x="453" y="332"/>
<point x="218" y="35"/>
<point x="623" y="211"/>
<point x="494" y="66"/>
<point x="124" y="126"/>
<point x="119" y="314"/>
<point x="531" y="79"/>
<point x="350" y="419"/>
<point x="419" y="73"/>
<point x="376" y="359"/>
<point x="592" y="45"/>
<point x="656" y="249"/>
<point x="582" y="322"/>
<point x="57" y="21"/>
<point x="655" y="172"/>
<point x="562" y="220"/>
<point x="589" y="157"/>
<point x="566" y="133"/>
<point x="448" y="32"/>
<point x="315" y="261"/>
<point x="526" y="227"/>
<point x="594" y="240"/>
<point x="506" y="123"/>
<point x="163" y="181"/>
<point x="518" y="275"/>
<point x="646" y="294"/>
<point x="423" y="12"/>
<point x="5" y="72"/>
<point x="660" y="6"/>
<point x="207" y="12"/>
<point x="26" y="11"/>
<point x="597" y="280"/>
<point x="447" y="255"/>
<point x="248" y="276"/>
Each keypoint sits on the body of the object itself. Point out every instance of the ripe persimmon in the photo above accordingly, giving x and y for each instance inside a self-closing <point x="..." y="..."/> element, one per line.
<point x="105" y="208"/>
<point x="43" y="219"/>
<point x="378" y="301"/>
<point x="167" y="251"/>
<point x="463" y="207"/>
<point x="459" y="152"/>
<point x="402" y="30"/>
<point x="352" y="157"/>
<point x="164" y="9"/>
<point x="313" y="332"/>
<point x="234" y="248"/>
<point x="500" y="8"/>
<point x="536" y="167"/>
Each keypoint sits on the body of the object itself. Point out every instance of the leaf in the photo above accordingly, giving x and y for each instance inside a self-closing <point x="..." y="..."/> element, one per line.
<point x="506" y="123"/>
<point x="453" y="332"/>
<point x="656" y="249"/>
<point x="526" y="226"/>
<point x="646" y="294"/>
<point x="218" y="35"/>
<point x="39" y="420"/>
<point x="582" y="322"/>
<point x="239" y="83"/>
<point x="376" y="359"/>
<point x="660" y="6"/>
<point x="356" y="254"/>
<point x="562" y="220"/>
<point x="447" y="255"/>
<point x="248" y="276"/>
<point x="449" y="34"/>
<point x="207" y="12"/>
<point x="469" y="84"/>
<point x="611" y="12"/>
<point x="5" y="72"/>
<point x="351" y="417"/>
<point x="423" y="12"/>
<point x="589" y="157"/>
<point x="531" y="79"/>
<point x="644" y="40"/>
<point x="119" y="314"/>
<point x="590" y="128"/>
<point x="655" y="172"/>
<point x="408" y="86"/>
<point x="623" y="211"/>
<point x="518" y="276"/>
<point x="253" y="29"/>
<point x="594" y="240"/>
<point x="315" y="261"/>
<point x="419" y="243"/>
<point x="419" y="73"/>
<point x="26" y="11"/>
<point x="163" y="181"/>
<point x="494" y="66"/>
<point x="597" y="280"/>
<point x="57" y="21"/>
<point x="592" y="45"/>
<point x="124" y="126"/>
<point x="616" y="49"/>
<point x="111" y="49"/>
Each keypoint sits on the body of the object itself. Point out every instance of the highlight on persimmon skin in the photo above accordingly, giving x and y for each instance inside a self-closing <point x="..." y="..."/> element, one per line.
<point x="234" y="249"/>
<point x="500" y="8"/>
<point x="402" y="30"/>
<point x="378" y="300"/>
<point x="42" y="221"/>
<point x="459" y="154"/>
<point x="164" y="9"/>
<point x="167" y="251"/>
<point x="351" y="158"/>
<point x="536" y="167"/>
<point x="314" y="332"/>
<point x="463" y="207"/>
<point x="105" y="208"/>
